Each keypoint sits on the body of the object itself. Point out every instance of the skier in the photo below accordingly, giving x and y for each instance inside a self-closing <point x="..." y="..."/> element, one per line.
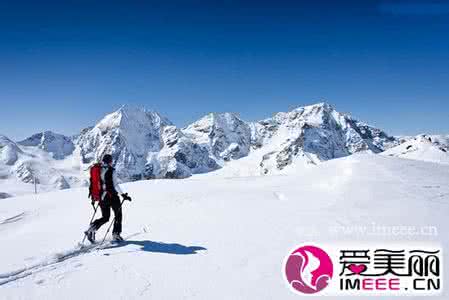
<point x="110" y="191"/>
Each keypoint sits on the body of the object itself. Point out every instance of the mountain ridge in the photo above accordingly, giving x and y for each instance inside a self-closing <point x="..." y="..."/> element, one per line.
<point x="146" y="145"/>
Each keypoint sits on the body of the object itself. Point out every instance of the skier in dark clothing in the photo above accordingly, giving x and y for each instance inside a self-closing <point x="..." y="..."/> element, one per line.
<point x="109" y="199"/>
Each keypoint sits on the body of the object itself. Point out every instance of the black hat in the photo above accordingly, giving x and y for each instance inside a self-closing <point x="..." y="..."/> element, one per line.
<point x="107" y="158"/>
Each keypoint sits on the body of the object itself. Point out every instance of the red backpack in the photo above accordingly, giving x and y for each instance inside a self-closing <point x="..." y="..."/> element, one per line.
<point x="96" y="186"/>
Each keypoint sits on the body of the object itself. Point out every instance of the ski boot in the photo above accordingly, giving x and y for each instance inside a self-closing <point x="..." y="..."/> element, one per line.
<point x="116" y="237"/>
<point x="90" y="234"/>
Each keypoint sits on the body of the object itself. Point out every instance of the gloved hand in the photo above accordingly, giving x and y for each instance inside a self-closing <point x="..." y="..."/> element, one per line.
<point x="126" y="197"/>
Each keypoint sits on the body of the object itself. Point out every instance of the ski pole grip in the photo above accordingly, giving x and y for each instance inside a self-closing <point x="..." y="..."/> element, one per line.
<point x="126" y="197"/>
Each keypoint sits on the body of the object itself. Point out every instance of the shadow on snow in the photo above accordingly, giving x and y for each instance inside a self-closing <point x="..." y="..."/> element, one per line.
<point x="147" y="246"/>
<point x="159" y="247"/>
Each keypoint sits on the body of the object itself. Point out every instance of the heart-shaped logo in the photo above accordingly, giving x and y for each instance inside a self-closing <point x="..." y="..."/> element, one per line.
<point x="357" y="269"/>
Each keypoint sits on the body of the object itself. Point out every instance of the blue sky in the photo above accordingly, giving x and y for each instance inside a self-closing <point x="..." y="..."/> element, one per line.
<point x="64" y="64"/>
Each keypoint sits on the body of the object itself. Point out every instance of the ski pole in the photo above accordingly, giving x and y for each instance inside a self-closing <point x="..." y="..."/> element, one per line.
<point x="113" y="220"/>
<point x="91" y="219"/>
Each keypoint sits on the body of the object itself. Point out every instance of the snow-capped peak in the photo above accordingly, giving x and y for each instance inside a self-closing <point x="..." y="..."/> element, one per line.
<point x="224" y="134"/>
<point x="128" y="134"/>
<point x="5" y="141"/>
<point x="58" y="145"/>
<point x="314" y="133"/>
<point x="130" y="117"/>
<point x="313" y="115"/>
<point x="316" y="107"/>
<point x="9" y="151"/>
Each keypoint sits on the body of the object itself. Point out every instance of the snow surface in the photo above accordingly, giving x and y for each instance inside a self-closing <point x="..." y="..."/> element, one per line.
<point x="212" y="237"/>
<point x="432" y="148"/>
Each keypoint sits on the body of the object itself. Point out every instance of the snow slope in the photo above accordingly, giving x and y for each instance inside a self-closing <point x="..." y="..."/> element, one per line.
<point x="213" y="238"/>
<point x="423" y="147"/>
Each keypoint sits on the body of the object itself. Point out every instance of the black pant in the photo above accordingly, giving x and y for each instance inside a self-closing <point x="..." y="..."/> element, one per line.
<point x="105" y="205"/>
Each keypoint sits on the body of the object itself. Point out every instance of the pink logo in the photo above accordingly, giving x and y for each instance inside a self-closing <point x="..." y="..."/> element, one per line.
<point x="308" y="269"/>
<point x="357" y="269"/>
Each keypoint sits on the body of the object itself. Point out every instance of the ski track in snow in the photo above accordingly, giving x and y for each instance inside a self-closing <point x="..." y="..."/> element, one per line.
<point x="53" y="260"/>
<point x="280" y="196"/>
<point x="13" y="219"/>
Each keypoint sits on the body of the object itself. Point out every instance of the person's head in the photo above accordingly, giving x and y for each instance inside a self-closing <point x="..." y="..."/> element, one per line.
<point x="107" y="159"/>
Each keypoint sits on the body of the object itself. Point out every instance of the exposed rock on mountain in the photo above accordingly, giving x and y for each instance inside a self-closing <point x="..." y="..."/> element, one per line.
<point x="129" y="135"/>
<point x="432" y="148"/>
<point x="58" y="145"/>
<point x="179" y="157"/>
<point x="312" y="134"/>
<point x="145" y="145"/>
<point x="225" y="135"/>
<point x="38" y="159"/>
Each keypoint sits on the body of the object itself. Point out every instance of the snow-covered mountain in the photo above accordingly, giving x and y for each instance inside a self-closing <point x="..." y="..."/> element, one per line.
<point x="58" y="145"/>
<point x="432" y="148"/>
<point x="146" y="145"/>
<point x="312" y="134"/>
<point x="225" y="135"/>
<point x="9" y="151"/>
<point x="130" y="134"/>
<point x="43" y="159"/>
<point x="180" y="157"/>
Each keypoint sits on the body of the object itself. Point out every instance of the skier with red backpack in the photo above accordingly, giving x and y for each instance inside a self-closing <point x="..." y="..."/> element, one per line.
<point x="104" y="189"/>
